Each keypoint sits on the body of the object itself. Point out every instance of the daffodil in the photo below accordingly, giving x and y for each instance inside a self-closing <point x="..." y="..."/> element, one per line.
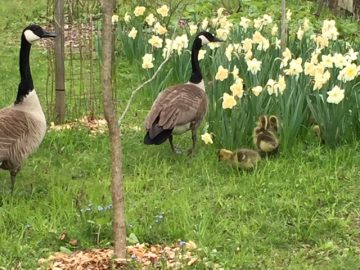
<point x="213" y="45"/>
<point x="114" y="19"/>
<point x="147" y="61"/>
<point x="348" y="73"/>
<point x="229" y="50"/>
<point x="258" y="23"/>
<point x="222" y="73"/>
<point x="257" y="90"/>
<point x="201" y="54"/>
<point x="336" y="95"/>
<point x="245" y="22"/>
<point x="329" y="30"/>
<point x="163" y="10"/>
<point x="155" y="41"/>
<point x="257" y="37"/>
<point x="300" y="33"/>
<point x="306" y="25"/>
<point x="193" y="29"/>
<point x="139" y="11"/>
<point x="159" y="29"/>
<point x="133" y="32"/>
<point x="204" y="24"/>
<point x="247" y="44"/>
<point x="309" y="69"/>
<point x="254" y="65"/>
<point x="228" y="101"/>
<point x="281" y="84"/>
<point x="235" y="72"/>
<point x="274" y="30"/>
<point x="223" y="33"/>
<point x="127" y="17"/>
<point x="339" y="60"/>
<point x="207" y="138"/>
<point x="295" y="67"/>
<point x="150" y="19"/>
<point x="237" y="88"/>
<point x="327" y="60"/>
<point x="267" y="19"/>
<point x="288" y="15"/>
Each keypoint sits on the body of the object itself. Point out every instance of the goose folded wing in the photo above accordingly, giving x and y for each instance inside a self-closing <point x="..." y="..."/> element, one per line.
<point x="13" y="128"/>
<point x="178" y="105"/>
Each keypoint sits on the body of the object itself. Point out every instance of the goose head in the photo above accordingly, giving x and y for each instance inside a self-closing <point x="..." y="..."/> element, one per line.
<point x="35" y="32"/>
<point x="205" y="37"/>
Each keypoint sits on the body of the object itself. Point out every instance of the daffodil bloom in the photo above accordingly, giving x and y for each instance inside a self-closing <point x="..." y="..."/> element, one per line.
<point x="213" y="45"/>
<point x="150" y="19"/>
<point x="348" y="73"/>
<point x="247" y="44"/>
<point x="159" y="29"/>
<point x="319" y="69"/>
<point x="245" y="22"/>
<point x="295" y="67"/>
<point x="321" y="79"/>
<point x="222" y="33"/>
<point x="114" y="19"/>
<point x="258" y="23"/>
<point x="321" y="42"/>
<point x="163" y="10"/>
<point x="228" y="52"/>
<point x="222" y="73"/>
<point x="220" y="12"/>
<point x="263" y="45"/>
<point x="267" y="19"/>
<point x="306" y="25"/>
<point x="281" y="84"/>
<point x="257" y="37"/>
<point x="147" y="61"/>
<point x="235" y="72"/>
<point x="300" y="33"/>
<point x="201" y="54"/>
<point x="133" y="32"/>
<point x="339" y="60"/>
<point x="327" y="60"/>
<point x="270" y="86"/>
<point x="274" y="30"/>
<point x="127" y="17"/>
<point x="205" y="23"/>
<point x="336" y="95"/>
<point x="237" y="88"/>
<point x="193" y="29"/>
<point x="248" y="55"/>
<point x="309" y="69"/>
<point x="329" y="30"/>
<point x="207" y="138"/>
<point x="155" y="41"/>
<point x="288" y="15"/>
<point x="257" y="90"/>
<point x="254" y="65"/>
<point x="277" y="43"/>
<point x="139" y="11"/>
<point x="287" y="53"/>
<point x="228" y="101"/>
<point x="351" y="55"/>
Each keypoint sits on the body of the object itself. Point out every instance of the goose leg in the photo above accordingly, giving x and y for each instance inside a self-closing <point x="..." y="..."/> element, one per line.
<point x="12" y="179"/>
<point x="173" y="148"/>
<point x="193" y="137"/>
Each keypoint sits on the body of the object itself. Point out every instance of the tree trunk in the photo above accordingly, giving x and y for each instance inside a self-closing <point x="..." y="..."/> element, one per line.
<point x="114" y="132"/>
<point x="283" y="25"/>
<point x="59" y="62"/>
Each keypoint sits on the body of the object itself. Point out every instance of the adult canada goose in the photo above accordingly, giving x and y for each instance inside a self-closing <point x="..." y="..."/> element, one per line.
<point x="265" y="135"/>
<point x="245" y="159"/>
<point x="23" y="124"/>
<point x="181" y="107"/>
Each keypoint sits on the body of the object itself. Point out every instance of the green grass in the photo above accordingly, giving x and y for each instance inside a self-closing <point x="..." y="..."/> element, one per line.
<point x="296" y="211"/>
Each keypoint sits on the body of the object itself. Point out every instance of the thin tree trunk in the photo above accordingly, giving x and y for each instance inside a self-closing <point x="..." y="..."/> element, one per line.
<point x="59" y="62"/>
<point x="114" y="132"/>
<point x="283" y="25"/>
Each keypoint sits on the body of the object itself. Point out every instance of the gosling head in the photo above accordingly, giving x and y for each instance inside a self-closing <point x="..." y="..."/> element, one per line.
<point x="225" y="154"/>
<point x="205" y="37"/>
<point x="35" y="32"/>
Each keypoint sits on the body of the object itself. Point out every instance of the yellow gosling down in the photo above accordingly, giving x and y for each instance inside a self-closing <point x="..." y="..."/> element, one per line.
<point x="265" y="135"/>
<point x="245" y="159"/>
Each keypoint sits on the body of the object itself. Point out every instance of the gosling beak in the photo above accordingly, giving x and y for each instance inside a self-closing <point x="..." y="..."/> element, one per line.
<point x="48" y="34"/>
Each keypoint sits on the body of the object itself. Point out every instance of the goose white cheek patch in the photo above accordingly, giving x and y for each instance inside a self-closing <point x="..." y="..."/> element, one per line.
<point x="30" y="36"/>
<point x="204" y="40"/>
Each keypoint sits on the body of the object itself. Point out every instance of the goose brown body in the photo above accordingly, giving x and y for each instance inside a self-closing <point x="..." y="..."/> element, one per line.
<point x="22" y="128"/>
<point x="177" y="109"/>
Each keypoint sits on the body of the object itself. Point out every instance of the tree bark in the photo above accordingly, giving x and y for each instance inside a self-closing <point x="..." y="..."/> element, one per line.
<point x="59" y="62"/>
<point x="119" y="228"/>
<point x="283" y="25"/>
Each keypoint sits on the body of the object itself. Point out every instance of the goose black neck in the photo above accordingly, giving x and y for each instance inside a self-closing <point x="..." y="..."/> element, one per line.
<point x="26" y="82"/>
<point x="196" y="76"/>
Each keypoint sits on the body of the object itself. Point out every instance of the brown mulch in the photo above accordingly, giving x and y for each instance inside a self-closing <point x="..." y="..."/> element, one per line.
<point x="140" y="256"/>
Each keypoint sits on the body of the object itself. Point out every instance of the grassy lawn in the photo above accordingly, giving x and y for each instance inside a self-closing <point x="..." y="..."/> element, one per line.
<point x="299" y="210"/>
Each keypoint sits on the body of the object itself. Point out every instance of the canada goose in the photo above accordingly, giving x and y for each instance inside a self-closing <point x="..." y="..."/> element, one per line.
<point x="181" y="107"/>
<point x="23" y="124"/>
<point x="246" y="159"/>
<point x="265" y="135"/>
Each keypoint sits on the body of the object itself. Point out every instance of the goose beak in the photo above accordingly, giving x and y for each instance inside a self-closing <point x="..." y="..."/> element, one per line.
<point x="48" y="34"/>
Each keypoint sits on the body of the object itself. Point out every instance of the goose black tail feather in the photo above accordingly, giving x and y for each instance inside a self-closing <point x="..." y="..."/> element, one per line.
<point x="159" y="139"/>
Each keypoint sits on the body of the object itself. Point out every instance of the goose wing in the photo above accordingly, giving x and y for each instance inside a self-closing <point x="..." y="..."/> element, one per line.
<point x="177" y="105"/>
<point x="13" y="127"/>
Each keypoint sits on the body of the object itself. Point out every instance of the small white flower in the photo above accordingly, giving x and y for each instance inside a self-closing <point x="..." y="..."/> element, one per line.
<point x="228" y="101"/>
<point x="207" y="138"/>
<point x="201" y="54"/>
<point x="115" y="19"/>
<point x="193" y="29"/>
<point x="257" y="90"/>
<point x="150" y="19"/>
<point x="132" y="34"/>
<point x="147" y="61"/>
<point x="254" y="65"/>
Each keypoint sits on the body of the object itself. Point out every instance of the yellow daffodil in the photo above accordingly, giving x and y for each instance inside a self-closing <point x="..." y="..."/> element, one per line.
<point x="207" y="138"/>
<point x="295" y="67"/>
<point x="336" y="95"/>
<point x="247" y="44"/>
<point x="201" y="54"/>
<point x="237" y="88"/>
<point x="306" y="25"/>
<point x="245" y="22"/>
<point x="155" y="41"/>
<point x="133" y="32"/>
<point x="150" y="19"/>
<point x="159" y="29"/>
<point x="281" y="84"/>
<point x="267" y="19"/>
<point x="228" y="101"/>
<point x="193" y="28"/>
<point x="327" y="60"/>
<point x="309" y="69"/>
<point x="163" y="11"/>
<point x="339" y="60"/>
<point x="147" y="61"/>
<point x="229" y="50"/>
<point x="139" y="11"/>
<point x="204" y="24"/>
<point x="257" y="90"/>
<point x="300" y="33"/>
<point x="329" y="30"/>
<point x="127" y="17"/>
<point x="348" y="73"/>
<point x="222" y="73"/>
<point x="274" y="30"/>
<point x="254" y="65"/>
<point x="288" y="15"/>
<point x="235" y="72"/>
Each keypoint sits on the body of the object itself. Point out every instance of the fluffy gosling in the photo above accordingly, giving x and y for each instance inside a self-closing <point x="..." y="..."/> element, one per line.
<point x="245" y="159"/>
<point x="265" y="135"/>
